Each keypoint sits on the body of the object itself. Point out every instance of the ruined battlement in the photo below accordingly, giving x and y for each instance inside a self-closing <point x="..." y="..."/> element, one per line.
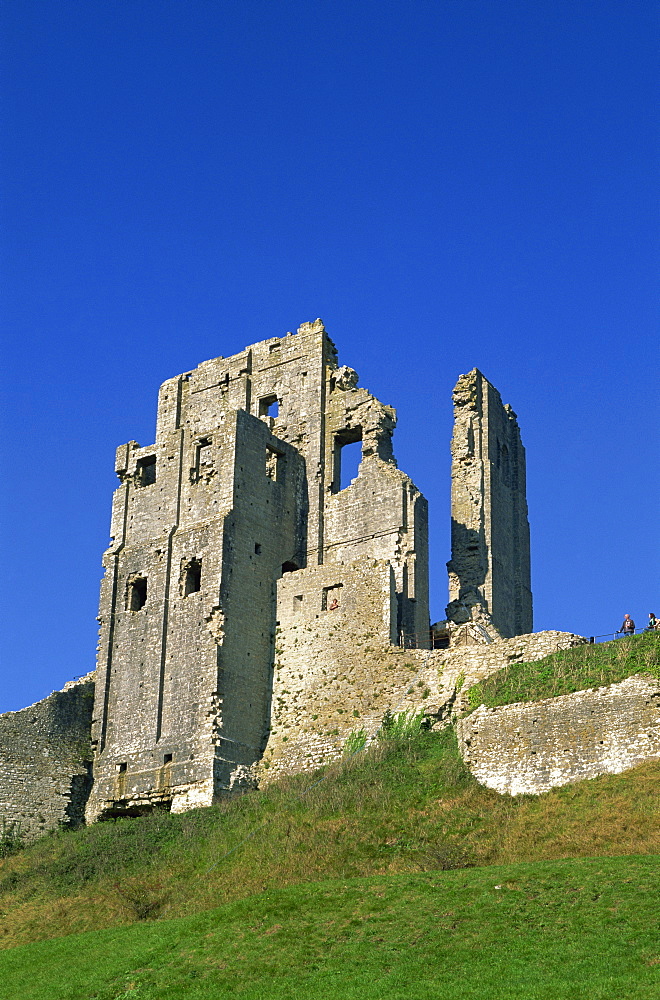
<point x="489" y="570"/>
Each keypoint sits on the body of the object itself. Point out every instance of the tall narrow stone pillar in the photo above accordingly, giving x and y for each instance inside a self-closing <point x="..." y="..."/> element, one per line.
<point x="489" y="571"/>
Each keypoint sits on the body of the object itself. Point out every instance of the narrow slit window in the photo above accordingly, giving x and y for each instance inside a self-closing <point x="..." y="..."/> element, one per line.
<point x="275" y="465"/>
<point x="297" y="603"/>
<point x="136" y="595"/>
<point x="146" y="471"/>
<point x="191" y="577"/>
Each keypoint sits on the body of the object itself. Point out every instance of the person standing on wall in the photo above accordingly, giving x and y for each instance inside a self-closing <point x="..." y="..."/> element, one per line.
<point x="628" y="626"/>
<point x="653" y="622"/>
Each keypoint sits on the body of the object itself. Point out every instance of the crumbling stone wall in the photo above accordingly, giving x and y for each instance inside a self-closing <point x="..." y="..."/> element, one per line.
<point x="241" y="488"/>
<point x="250" y="602"/>
<point x="489" y="570"/>
<point x="45" y="761"/>
<point x="381" y="514"/>
<point x="335" y="671"/>
<point x="532" y="747"/>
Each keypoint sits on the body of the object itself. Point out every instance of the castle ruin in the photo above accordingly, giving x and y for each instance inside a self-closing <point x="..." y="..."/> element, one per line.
<point x="233" y="530"/>
<point x="238" y="502"/>
<point x="254" y="606"/>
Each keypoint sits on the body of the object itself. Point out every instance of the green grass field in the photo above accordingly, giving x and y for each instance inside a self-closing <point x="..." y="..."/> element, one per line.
<point x="564" y="929"/>
<point x="390" y="874"/>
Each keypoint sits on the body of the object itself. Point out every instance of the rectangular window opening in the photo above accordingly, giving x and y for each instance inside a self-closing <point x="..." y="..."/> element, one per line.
<point x="136" y="595"/>
<point x="347" y="458"/>
<point x="275" y="463"/>
<point x="121" y="768"/>
<point x="191" y="577"/>
<point x="145" y="471"/>
<point x="167" y="758"/>
<point x="331" y="597"/>
<point x="257" y="549"/>
<point x="204" y="454"/>
<point x="269" y="406"/>
<point x="297" y="603"/>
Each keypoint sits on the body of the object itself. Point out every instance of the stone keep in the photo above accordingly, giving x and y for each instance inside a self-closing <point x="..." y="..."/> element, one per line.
<point x="241" y="488"/>
<point x="489" y="570"/>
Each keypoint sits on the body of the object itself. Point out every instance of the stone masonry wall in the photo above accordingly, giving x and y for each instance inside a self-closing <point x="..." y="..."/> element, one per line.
<point x="335" y="672"/>
<point x="45" y="760"/>
<point x="530" y="748"/>
<point x="241" y="488"/>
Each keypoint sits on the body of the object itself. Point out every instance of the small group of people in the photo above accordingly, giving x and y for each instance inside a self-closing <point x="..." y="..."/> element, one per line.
<point x="628" y="626"/>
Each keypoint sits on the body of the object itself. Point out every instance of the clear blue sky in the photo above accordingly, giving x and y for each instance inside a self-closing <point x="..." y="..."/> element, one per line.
<point x="447" y="184"/>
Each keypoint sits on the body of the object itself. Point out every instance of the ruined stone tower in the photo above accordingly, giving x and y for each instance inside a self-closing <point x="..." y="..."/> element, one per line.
<point x="235" y="511"/>
<point x="489" y="571"/>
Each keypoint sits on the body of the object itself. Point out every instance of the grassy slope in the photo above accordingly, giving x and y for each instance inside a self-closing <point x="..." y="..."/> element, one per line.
<point x="394" y="816"/>
<point x="570" y="670"/>
<point x="398" y="808"/>
<point x="570" y="929"/>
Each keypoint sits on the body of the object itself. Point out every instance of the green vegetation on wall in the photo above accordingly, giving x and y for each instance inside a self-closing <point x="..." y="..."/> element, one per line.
<point x="570" y="670"/>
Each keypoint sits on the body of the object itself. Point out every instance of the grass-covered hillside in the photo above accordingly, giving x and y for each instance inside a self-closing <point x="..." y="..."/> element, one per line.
<point x="554" y="930"/>
<point x="390" y="874"/>
<point x="403" y="806"/>
<point x="570" y="670"/>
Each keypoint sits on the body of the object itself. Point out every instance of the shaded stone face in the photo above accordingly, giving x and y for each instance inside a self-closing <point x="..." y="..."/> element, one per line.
<point x="242" y="488"/>
<point x="45" y="761"/>
<point x="489" y="570"/>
